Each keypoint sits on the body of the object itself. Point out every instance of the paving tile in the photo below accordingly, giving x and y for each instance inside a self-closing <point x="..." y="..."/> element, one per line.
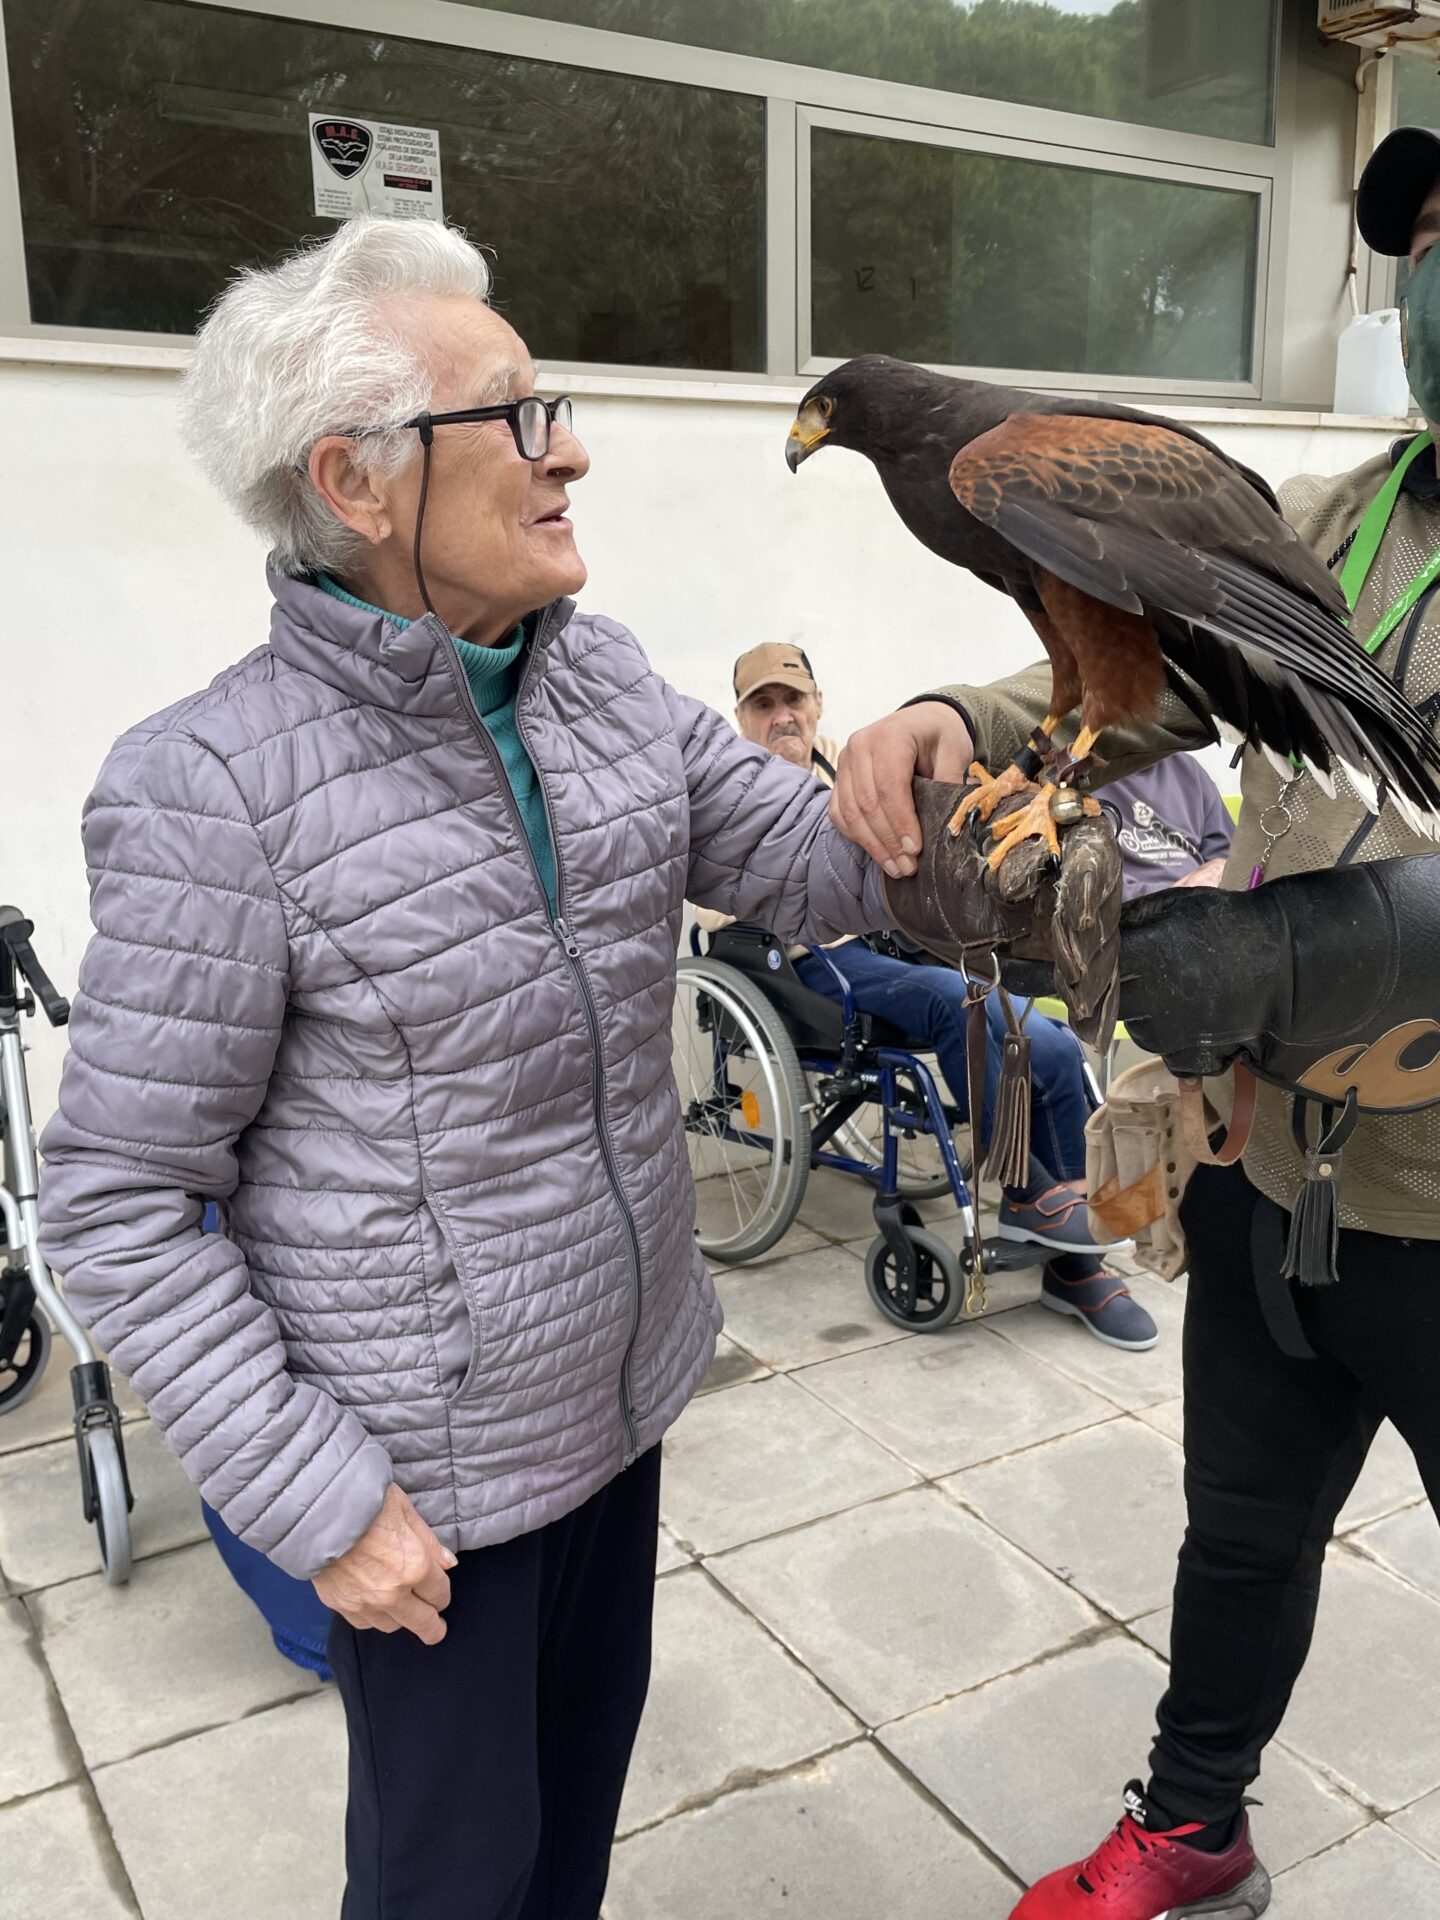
<point x="49" y="1413"/>
<point x="795" y="1312"/>
<point x="839" y="1207"/>
<point x="669" y="1553"/>
<point x="58" y="1861"/>
<point x="896" y="1604"/>
<point x="1154" y="1630"/>
<point x="263" y="1820"/>
<point x="1376" y="1875"/>
<point x="1388" y="1480"/>
<point x="844" y="1838"/>
<point x="725" y="1704"/>
<point x="1131" y="1380"/>
<point x="1074" y="1729"/>
<point x="177" y="1649"/>
<point x="36" y="1750"/>
<point x="948" y="1400"/>
<point x="44" y="1537"/>
<point x="730" y="1367"/>
<point x="715" y="1213"/>
<point x="1365" y="1705"/>
<point x="1167" y="1417"/>
<point x="1420" y="1824"/>
<point x="746" y="1463"/>
<point x="1409" y="1544"/>
<point x="1103" y="1508"/>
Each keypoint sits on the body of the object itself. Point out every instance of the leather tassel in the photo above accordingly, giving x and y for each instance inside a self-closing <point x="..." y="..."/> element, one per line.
<point x="1313" y="1249"/>
<point x="1008" y="1160"/>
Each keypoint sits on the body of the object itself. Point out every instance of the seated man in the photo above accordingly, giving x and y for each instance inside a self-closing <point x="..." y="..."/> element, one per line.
<point x="778" y="705"/>
<point x="1172" y="826"/>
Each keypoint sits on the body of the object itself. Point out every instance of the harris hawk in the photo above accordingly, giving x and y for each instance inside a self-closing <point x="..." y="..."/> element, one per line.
<point x="1144" y="557"/>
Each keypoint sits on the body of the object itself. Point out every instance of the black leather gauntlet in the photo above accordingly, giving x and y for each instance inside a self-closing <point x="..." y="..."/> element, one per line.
<point x="1326" y="983"/>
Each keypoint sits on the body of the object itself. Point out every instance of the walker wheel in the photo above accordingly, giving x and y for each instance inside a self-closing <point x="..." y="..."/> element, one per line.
<point x="938" y="1294"/>
<point x="112" y="1507"/>
<point x="26" y="1368"/>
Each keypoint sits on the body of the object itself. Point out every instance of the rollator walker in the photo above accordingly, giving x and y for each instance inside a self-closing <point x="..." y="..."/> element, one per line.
<point x="30" y="1302"/>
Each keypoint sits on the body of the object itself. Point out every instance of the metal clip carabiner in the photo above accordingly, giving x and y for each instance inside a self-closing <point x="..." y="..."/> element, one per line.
<point x="977" y="991"/>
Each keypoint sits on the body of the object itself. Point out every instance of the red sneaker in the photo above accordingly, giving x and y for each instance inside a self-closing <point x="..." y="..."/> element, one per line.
<point x="1138" y="1874"/>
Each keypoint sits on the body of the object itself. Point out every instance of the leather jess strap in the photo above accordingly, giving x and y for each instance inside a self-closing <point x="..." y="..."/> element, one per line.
<point x="1196" y="1132"/>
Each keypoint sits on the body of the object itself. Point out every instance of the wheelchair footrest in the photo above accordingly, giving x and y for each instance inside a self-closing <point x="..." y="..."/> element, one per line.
<point x="1013" y="1256"/>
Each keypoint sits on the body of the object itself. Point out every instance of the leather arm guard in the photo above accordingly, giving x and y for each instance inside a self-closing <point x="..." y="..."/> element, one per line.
<point x="1324" y="983"/>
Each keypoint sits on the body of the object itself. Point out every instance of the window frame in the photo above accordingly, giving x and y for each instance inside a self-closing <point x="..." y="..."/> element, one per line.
<point x="796" y="99"/>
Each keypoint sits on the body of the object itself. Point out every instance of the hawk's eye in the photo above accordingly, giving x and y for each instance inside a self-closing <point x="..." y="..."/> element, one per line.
<point x="825" y="406"/>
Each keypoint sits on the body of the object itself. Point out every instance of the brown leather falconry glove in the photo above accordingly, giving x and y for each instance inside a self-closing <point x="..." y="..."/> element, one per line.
<point x="957" y="909"/>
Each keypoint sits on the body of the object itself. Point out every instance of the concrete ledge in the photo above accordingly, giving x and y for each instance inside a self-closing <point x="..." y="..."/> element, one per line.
<point x="35" y="350"/>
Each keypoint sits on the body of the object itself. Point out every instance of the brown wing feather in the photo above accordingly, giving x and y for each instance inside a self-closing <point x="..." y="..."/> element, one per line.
<point x="1131" y="473"/>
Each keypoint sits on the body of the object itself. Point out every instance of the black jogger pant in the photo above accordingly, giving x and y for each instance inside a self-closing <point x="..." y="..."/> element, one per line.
<point x="486" y="1772"/>
<point x="1273" y="1445"/>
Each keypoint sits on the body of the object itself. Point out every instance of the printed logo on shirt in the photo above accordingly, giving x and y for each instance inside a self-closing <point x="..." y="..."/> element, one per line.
<point x="1159" y="845"/>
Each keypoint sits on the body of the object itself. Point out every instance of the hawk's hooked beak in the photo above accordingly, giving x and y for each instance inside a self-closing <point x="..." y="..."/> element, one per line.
<point x="805" y="435"/>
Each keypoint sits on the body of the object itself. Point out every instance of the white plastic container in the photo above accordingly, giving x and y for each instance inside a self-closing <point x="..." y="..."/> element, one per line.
<point x="1369" y="370"/>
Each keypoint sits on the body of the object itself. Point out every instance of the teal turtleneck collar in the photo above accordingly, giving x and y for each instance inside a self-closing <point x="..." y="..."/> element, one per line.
<point x="486" y="668"/>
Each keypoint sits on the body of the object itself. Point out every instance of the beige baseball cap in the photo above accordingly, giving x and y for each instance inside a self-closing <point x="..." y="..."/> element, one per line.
<point x="773" y="665"/>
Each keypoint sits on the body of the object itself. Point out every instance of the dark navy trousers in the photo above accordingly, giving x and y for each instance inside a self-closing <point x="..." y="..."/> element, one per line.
<point x="486" y="1772"/>
<point x="929" y="1003"/>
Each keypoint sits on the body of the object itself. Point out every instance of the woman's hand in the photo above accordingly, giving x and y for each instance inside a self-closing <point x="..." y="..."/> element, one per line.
<point x="871" y="804"/>
<point x="394" y="1576"/>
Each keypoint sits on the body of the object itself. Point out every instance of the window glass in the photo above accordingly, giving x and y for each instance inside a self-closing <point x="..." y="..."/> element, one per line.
<point x="162" y="146"/>
<point x="980" y="260"/>
<point x="1416" y="103"/>
<point x="1197" y="66"/>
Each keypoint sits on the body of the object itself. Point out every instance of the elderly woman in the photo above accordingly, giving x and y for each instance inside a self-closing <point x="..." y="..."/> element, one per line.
<point x="386" y="921"/>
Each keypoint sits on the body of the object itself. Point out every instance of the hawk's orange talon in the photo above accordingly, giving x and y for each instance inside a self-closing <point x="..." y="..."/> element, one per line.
<point x="989" y="791"/>
<point x="1032" y="822"/>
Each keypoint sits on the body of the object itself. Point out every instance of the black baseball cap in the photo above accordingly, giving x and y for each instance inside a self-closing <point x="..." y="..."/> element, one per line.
<point x="1397" y="177"/>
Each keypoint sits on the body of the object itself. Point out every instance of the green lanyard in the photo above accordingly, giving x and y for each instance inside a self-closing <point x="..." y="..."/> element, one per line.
<point x="1366" y="545"/>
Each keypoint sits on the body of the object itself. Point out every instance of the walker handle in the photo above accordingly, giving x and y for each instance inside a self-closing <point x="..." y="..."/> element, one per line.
<point x="16" y="952"/>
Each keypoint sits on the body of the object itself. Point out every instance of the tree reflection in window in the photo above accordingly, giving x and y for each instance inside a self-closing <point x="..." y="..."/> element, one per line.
<point x="162" y="146"/>
<point x="1197" y="66"/>
<point x="980" y="260"/>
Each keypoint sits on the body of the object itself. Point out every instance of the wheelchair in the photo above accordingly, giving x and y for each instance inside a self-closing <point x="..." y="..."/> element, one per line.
<point x="29" y="1299"/>
<point x="776" y="1079"/>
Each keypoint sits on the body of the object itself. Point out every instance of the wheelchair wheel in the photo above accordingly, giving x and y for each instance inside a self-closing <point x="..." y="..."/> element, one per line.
<point x="938" y="1292"/>
<point x="26" y="1369"/>
<point x="922" y="1174"/>
<point x="746" y="1110"/>
<point x="112" y="1509"/>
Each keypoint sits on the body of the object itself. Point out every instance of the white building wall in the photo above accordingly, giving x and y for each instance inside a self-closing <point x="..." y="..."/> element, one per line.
<point x="129" y="585"/>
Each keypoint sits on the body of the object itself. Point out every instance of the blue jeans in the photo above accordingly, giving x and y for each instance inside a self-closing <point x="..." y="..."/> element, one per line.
<point x="929" y="1004"/>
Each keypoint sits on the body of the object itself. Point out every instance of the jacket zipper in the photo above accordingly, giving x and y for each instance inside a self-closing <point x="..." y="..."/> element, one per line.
<point x="569" y="946"/>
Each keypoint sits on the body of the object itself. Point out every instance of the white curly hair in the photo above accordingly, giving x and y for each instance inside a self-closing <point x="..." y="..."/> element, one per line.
<point x="309" y="347"/>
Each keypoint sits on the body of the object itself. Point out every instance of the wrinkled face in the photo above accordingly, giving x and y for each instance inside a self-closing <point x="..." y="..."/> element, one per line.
<point x="497" y="541"/>
<point x="783" y="720"/>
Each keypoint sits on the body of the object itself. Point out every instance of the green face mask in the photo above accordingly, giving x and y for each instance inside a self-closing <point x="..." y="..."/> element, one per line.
<point x="1420" y="333"/>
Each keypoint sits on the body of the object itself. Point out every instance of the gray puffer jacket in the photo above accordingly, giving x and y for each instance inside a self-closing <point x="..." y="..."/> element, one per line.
<point x="326" y="991"/>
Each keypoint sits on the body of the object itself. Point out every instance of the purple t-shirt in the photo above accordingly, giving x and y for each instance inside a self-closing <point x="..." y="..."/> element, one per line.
<point x="1171" y="820"/>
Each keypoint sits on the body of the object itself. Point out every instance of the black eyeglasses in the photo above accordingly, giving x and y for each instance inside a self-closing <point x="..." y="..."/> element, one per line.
<point x="530" y="420"/>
